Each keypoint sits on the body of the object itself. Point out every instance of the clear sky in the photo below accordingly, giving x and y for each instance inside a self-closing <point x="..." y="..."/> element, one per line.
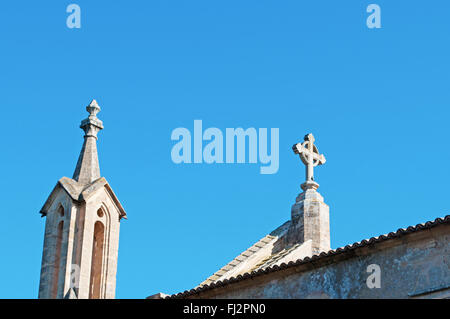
<point x="377" y="101"/>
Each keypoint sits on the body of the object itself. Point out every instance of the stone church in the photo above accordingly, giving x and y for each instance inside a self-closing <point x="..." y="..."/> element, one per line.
<point x="81" y="242"/>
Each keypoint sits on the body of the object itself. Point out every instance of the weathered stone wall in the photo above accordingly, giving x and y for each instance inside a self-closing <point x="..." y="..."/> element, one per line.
<point x="77" y="245"/>
<point x="49" y="259"/>
<point x="310" y="221"/>
<point x="110" y="219"/>
<point x="416" y="265"/>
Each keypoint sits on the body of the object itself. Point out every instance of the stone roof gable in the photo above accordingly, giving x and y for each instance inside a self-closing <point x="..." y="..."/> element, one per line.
<point x="80" y="192"/>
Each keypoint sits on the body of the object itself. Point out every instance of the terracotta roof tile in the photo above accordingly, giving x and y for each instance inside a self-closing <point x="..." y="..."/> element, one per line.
<point x="323" y="255"/>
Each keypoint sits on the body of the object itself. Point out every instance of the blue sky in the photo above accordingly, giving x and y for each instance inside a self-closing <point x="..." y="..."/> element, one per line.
<point x="377" y="102"/>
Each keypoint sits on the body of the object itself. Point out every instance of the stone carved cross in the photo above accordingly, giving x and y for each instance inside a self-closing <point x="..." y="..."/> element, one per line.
<point x="309" y="154"/>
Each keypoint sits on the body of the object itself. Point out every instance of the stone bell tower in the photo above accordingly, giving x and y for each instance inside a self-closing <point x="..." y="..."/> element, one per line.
<point x="81" y="238"/>
<point x="310" y="216"/>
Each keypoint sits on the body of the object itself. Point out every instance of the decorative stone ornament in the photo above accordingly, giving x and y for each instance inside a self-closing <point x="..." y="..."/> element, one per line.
<point x="309" y="215"/>
<point x="309" y="154"/>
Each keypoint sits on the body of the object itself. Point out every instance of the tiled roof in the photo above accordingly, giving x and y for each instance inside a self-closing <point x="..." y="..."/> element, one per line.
<point x="239" y="259"/>
<point x="236" y="265"/>
<point x="324" y="255"/>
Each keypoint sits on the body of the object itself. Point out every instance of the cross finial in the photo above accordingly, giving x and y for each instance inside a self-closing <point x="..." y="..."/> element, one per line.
<point x="308" y="137"/>
<point x="309" y="154"/>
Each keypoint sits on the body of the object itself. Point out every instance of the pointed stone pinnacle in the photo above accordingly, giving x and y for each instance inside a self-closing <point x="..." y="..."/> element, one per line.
<point x="92" y="124"/>
<point x="93" y="108"/>
<point x="88" y="169"/>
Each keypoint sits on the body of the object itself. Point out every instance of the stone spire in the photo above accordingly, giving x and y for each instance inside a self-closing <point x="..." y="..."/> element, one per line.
<point x="81" y="240"/>
<point x="88" y="169"/>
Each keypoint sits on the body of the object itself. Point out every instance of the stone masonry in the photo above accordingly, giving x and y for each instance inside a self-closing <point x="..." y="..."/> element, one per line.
<point x="81" y="238"/>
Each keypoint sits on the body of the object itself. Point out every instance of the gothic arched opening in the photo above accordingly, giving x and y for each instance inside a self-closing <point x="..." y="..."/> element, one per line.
<point x="59" y="236"/>
<point x="61" y="211"/>
<point x="97" y="260"/>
